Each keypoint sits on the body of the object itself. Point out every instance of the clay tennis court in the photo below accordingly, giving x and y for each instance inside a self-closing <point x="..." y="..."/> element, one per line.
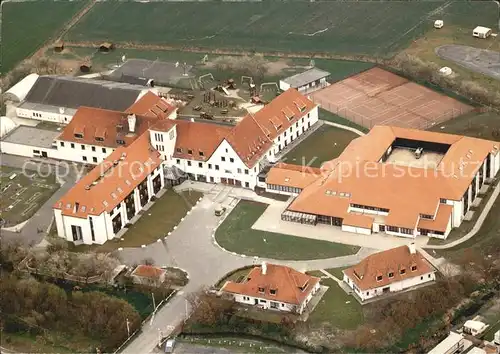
<point x="378" y="97"/>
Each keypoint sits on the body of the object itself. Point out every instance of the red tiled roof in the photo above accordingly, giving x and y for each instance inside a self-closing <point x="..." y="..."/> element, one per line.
<point x="105" y="125"/>
<point x="365" y="273"/>
<point x="110" y="182"/>
<point x="285" y="280"/>
<point x="151" y="105"/>
<point x="147" y="271"/>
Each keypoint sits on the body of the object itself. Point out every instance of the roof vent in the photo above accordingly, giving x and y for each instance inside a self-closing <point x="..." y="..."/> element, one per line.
<point x="87" y="187"/>
<point x="115" y="162"/>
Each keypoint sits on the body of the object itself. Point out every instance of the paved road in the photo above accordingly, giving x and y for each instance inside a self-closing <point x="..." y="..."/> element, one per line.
<point x="191" y="248"/>
<point x="29" y="234"/>
<point x="483" y="61"/>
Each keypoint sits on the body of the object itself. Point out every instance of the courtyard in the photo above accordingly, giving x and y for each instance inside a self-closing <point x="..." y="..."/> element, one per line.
<point x="325" y="144"/>
<point x="407" y="157"/>
<point x="235" y="234"/>
<point x="22" y="194"/>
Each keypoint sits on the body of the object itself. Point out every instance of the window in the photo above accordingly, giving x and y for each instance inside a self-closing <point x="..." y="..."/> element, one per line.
<point x="279" y="138"/>
<point x="217" y="167"/>
<point x="413" y="268"/>
<point x="392" y="228"/>
<point x="62" y="143"/>
<point x="272" y="291"/>
<point x="367" y="293"/>
<point x="246" y="171"/>
<point x="209" y="166"/>
<point x="78" y="135"/>
<point x="297" y="124"/>
<point x="103" y="150"/>
<point x="200" y="164"/>
<point x="92" y="228"/>
<point x="223" y="158"/>
<point x="178" y="161"/>
<point x="285" y="134"/>
<point x="391" y="275"/>
<point x="247" y="184"/>
<point x="36" y="151"/>
<point x="239" y="170"/>
<point x="226" y="150"/>
<point x="308" y="115"/>
<point x="94" y="159"/>
<point x="84" y="158"/>
<point x="93" y="148"/>
<point x="442" y="201"/>
<point x="98" y="138"/>
<point x="201" y="153"/>
<point x="428" y="276"/>
<point x="179" y="150"/>
<point x="72" y="145"/>
<point x="282" y="305"/>
<point x="171" y="134"/>
<point x="422" y="278"/>
<point x="379" y="277"/>
<point x="120" y="141"/>
<point x="406" y="231"/>
<point x="190" y="152"/>
<point x="231" y="159"/>
<point x="261" y="290"/>
<point x="402" y="271"/>
<point x="189" y="163"/>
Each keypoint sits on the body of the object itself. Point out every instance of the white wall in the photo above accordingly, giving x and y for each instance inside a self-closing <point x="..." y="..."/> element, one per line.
<point x="26" y="151"/>
<point x="63" y="117"/>
<point x="164" y="142"/>
<point x="72" y="151"/>
<point x="356" y="230"/>
<point x="284" y="86"/>
<point x="393" y="287"/>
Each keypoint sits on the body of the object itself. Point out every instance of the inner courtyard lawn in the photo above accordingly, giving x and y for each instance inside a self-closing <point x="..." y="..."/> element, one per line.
<point x="235" y="234"/>
<point x="323" y="145"/>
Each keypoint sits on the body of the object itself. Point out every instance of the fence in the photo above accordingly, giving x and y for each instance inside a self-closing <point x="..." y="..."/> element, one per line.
<point x="423" y="123"/>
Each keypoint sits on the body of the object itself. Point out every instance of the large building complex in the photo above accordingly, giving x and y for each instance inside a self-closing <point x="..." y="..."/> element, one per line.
<point x="399" y="181"/>
<point x="207" y="152"/>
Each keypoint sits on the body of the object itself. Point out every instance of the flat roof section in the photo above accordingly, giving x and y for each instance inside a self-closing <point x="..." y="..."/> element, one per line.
<point x="32" y="136"/>
<point x="306" y="77"/>
<point x="163" y="73"/>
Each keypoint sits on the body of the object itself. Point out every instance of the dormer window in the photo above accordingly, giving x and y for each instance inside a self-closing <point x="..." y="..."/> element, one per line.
<point x="99" y="138"/>
<point x="402" y="271"/>
<point x="391" y="274"/>
<point x="261" y="290"/>
<point x="272" y="291"/>
<point x="413" y="268"/>
<point x="78" y="135"/>
<point x="201" y="153"/>
<point x="120" y="141"/>
<point x="190" y="152"/>
<point x="379" y="278"/>
<point x="179" y="150"/>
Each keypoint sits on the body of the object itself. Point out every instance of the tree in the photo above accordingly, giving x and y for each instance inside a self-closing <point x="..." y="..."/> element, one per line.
<point x="208" y="309"/>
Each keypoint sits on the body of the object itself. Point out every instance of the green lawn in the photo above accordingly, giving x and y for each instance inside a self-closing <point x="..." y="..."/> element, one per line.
<point x="154" y="223"/>
<point x="323" y="145"/>
<point x="336" y="272"/>
<point x="479" y="125"/>
<point x="337" y="308"/>
<point x="485" y="241"/>
<point x="23" y="195"/>
<point x="236" y="276"/>
<point x="236" y="235"/>
<point x="27" y="25"/>
<point x="352" y="28"/>
<point x="332" y="117"/>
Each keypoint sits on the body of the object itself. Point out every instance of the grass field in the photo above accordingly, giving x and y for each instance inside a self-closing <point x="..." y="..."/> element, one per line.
<point x="349" y="28"/>
<point x="323" y="145"/>
<point x="337" y="309"/>
<point x="235" y="234"/>
<point x="23" y="195"/>
<point x="27" y="25"/>
<point x="479" y="125"/>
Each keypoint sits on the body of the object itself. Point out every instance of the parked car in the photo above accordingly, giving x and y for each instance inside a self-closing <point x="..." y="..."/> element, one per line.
<point x="220" y="210"/>
<point x="169" y="346"/>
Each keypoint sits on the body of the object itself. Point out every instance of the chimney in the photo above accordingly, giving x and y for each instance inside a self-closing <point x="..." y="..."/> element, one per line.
<point x="131" y="123"/>
<point x="61" y="110"/>
<point x="264" y="268"/>
<point x="77" y="206"/>
<point x="412" y="248"/>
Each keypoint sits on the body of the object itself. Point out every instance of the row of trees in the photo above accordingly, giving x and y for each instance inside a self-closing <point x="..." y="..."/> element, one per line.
<point x="39" y="307"/>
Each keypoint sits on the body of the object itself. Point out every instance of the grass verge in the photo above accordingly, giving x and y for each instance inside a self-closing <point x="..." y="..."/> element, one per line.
<point x="235" y="234"/>
<point x="155" y="223"/>
<point x="323" y="145"/>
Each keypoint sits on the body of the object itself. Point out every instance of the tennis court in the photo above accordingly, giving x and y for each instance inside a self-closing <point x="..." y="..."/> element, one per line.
<point x="379" y="97"/>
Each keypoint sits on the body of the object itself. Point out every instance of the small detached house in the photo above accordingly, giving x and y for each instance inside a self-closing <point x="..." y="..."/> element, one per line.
<point x="389" y="271"/>
<point x="275" y="287"/>
<point x="148" y="275"/>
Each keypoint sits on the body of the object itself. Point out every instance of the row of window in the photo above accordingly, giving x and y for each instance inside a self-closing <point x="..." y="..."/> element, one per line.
<point x="215" y="166"/>
<point x="366" y="207"/>
<point x="93" y="148"/>
<point x="399" y="229"/>
<point x="94" y="159"/>
<point x="284" y="188"/>
<point x="401" y="272"/>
